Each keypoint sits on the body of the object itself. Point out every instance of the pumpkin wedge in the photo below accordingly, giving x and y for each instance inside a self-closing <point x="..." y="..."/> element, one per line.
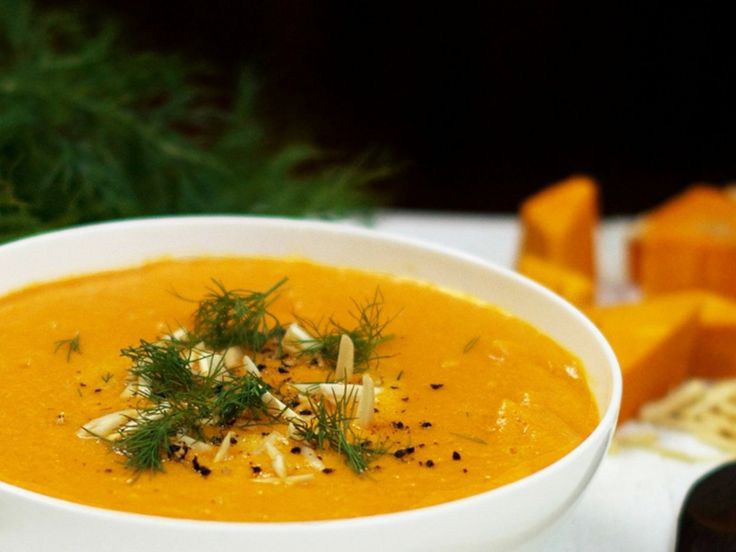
<point x="573" y="286"/>
<point x="714" y="351"/>
<point x="687" y="243"/>
<point x="558" y="224"/>
<point x="653" y="341"/>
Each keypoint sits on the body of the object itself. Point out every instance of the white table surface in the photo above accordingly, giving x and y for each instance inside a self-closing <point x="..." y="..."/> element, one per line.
<point x="633" y="502"/>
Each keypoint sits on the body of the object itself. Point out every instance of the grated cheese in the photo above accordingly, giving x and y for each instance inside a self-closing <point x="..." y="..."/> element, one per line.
<point x="708" y="411"/>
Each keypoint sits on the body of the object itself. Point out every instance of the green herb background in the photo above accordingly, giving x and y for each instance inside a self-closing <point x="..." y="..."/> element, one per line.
<point x="92" y="129"/>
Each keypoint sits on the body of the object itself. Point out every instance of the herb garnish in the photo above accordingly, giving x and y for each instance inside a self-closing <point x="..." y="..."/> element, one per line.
<point x="187" y="391"/>
<point x="366" y="336"/>
<point x="237" y="317"/>
<point x="332" y="428"/>
<point x="72" y="344"/>
<point x="470" y="344"/>
<point x="185" y="402"/>
<point x="470" y="438"/>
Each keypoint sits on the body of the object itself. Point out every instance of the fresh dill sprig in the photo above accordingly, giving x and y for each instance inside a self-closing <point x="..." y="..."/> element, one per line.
<point x="72" y="344"/>
<point x="470" y="344"/>
<point x="184" y="402"/>
<point x="93" y="129"/>
<point x="367" y="335"/>
<point x="332" y="428"/>
<point x="146" y="444"/>
<point x="165" y="367"/>
<point x="237" y="396"/>
<point x="227" y="317"/>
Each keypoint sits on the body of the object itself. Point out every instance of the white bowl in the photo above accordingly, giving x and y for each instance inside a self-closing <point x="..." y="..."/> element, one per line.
<point x="500" y="519"/>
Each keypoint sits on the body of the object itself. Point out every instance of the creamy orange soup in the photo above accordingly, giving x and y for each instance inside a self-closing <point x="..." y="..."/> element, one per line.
<point x="469" y="397"/>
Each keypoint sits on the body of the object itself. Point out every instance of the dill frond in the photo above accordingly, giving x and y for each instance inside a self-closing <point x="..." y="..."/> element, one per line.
<point x="165" y="366"/>
<point x="94" y="129"/>
<point x="470" y="344"/>
<point x="237" y="317"/>
<point x="238" y="396"/>
<point x="367" y="335"/>
<point x="147" y="443"/>
<point x="72" y="344"/>
<point x="184" y="402"/>
<point x="332" y="428"/>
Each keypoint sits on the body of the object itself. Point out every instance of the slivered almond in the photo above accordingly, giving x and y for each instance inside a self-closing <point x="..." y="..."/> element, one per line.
<point x="233" y="357"/>
<point x="311" y="457"/>
<point x="274" y="404"/>
<point x="178" y="335"/>
<point x="224" y="447"/>
<point x="366" y="404"/>
<point x="207" y="364"/>
<point x="288" y="480"/>
<point x="133" y="423"/>
<point x="270" y="438"/>
<point x="277" y="460"/>
<point x="334" y="391"/>
<point x="104" y="425"/>
<point x="251" y="367"/>
<point x="345" y="358"/>
<point x="278" y="407"/>
<point x="131" y="389"/>
<point x="296" y="339"/>
<point x="193" y="444"/>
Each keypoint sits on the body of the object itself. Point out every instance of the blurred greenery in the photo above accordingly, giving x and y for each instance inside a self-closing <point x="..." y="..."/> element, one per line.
<point x="91" y="129"/>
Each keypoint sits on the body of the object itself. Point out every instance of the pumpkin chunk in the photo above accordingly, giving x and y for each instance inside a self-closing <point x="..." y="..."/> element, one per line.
<point x="687" y="243"/>
<point x="714" y="352"/>
<point x="558" y="224"/>
<point x="653" y="341"/>
<point x="572" y="285"/>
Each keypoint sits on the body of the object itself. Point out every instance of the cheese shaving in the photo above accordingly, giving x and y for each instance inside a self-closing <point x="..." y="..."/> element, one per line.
<point x="708" y="411"/>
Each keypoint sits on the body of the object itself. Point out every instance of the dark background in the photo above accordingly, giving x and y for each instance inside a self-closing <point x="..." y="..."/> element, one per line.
<point x="482" y="104"/>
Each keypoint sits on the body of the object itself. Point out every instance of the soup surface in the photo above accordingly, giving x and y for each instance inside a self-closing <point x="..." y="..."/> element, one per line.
<point x="467" y="397"/>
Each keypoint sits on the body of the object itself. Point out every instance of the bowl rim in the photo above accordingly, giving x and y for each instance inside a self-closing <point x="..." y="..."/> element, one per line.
<point x="606" y="423"/>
